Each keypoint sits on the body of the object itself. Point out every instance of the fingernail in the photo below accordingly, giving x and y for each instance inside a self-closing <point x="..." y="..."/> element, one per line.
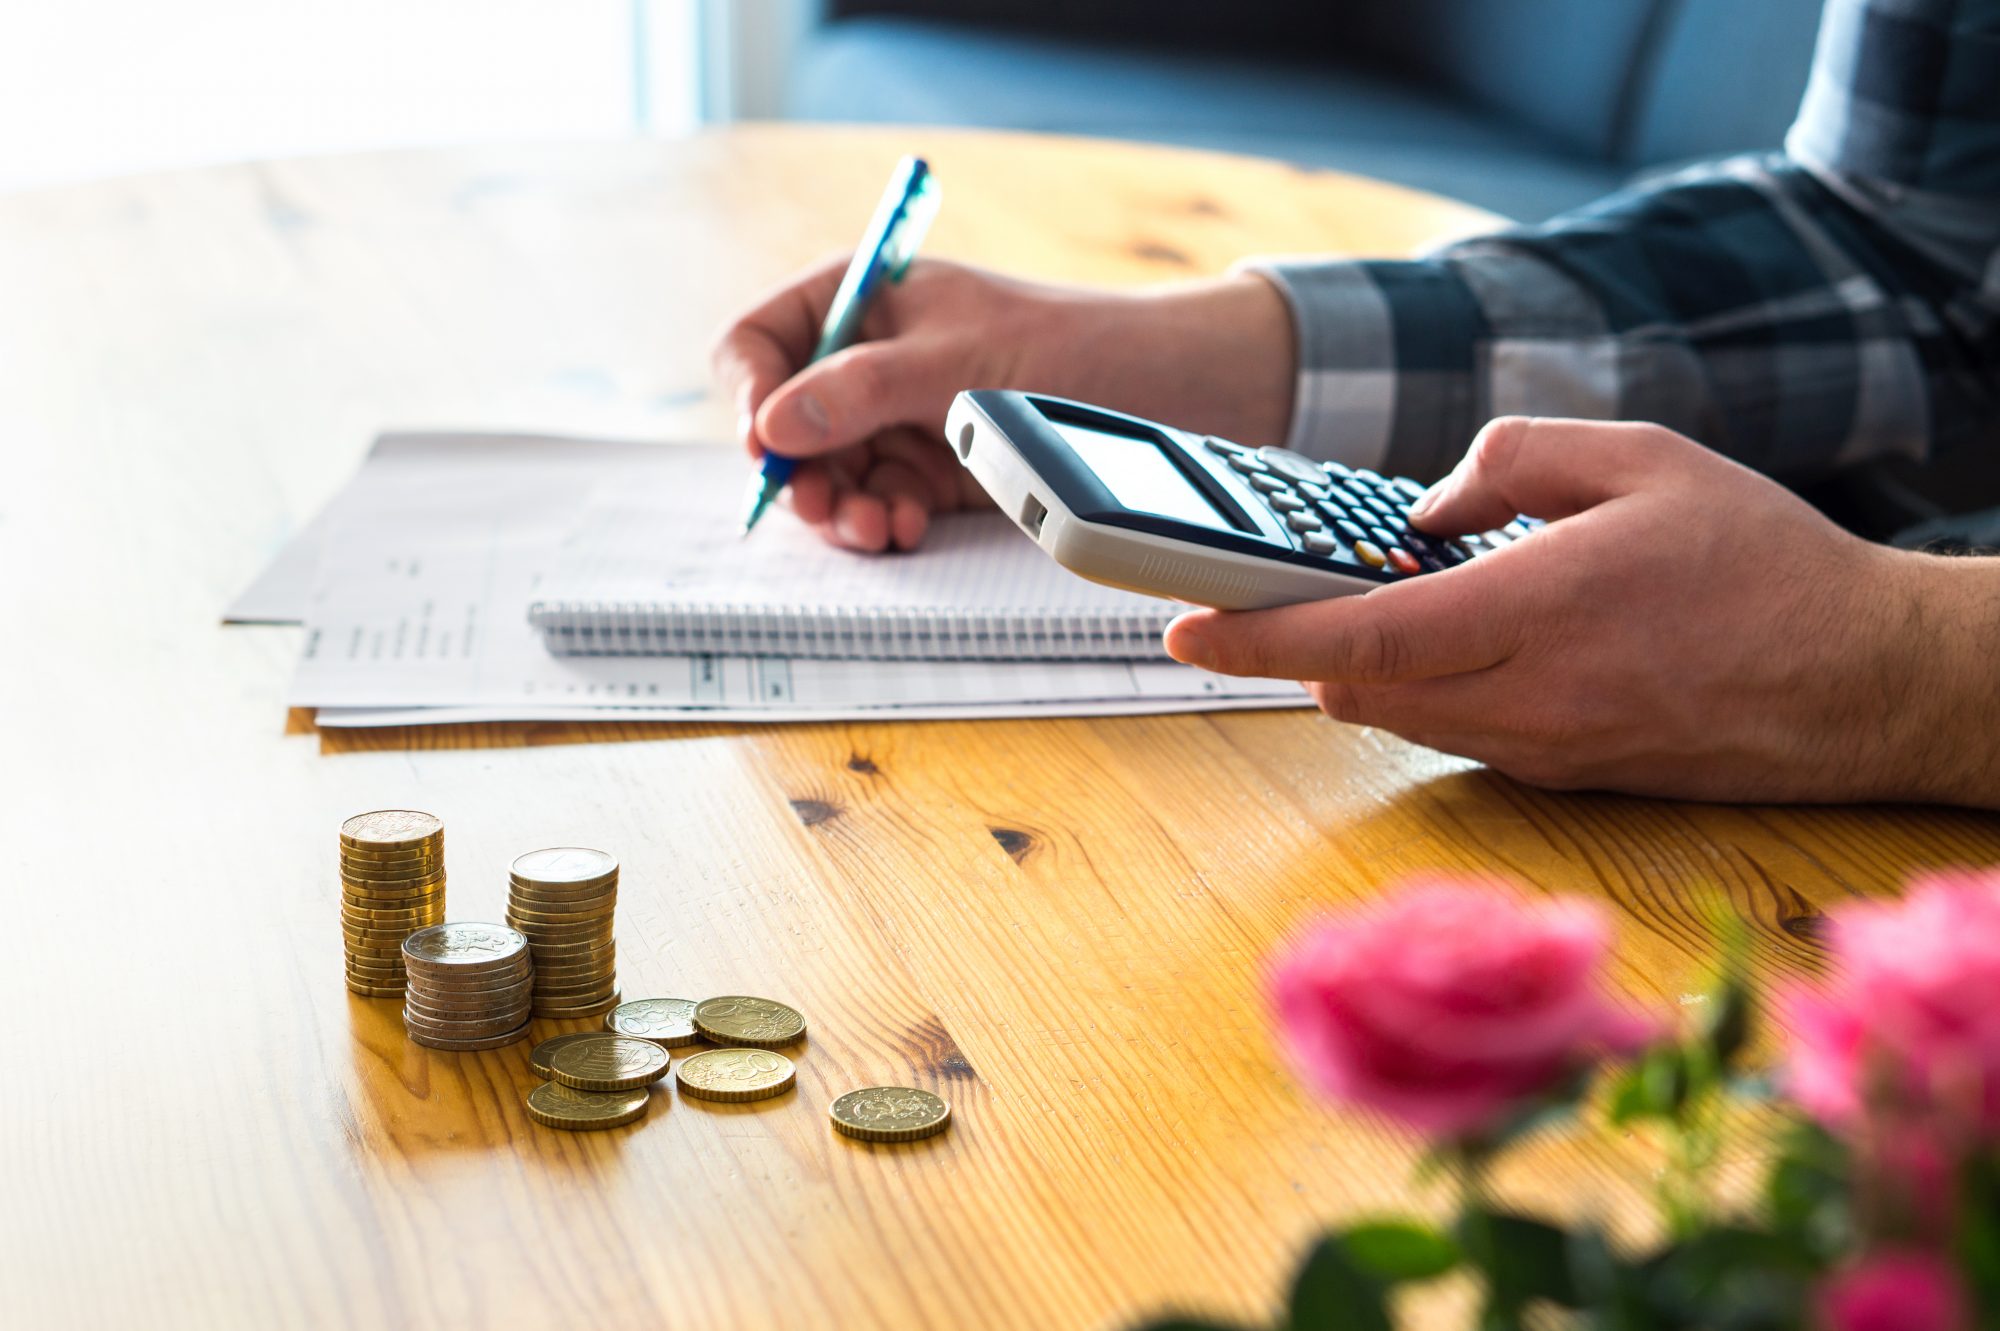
<point x="745" y="423"/>
<point x="849" y="529"/>
<point x="1427" y="500"/>
<point x="813" y="413"/>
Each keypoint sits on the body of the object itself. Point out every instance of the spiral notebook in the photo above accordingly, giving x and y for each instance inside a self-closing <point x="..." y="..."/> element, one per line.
<point x="661" y="570"/>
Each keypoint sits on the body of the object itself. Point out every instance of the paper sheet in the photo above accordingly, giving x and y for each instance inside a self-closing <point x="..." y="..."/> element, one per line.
<point x="442" y="541"/>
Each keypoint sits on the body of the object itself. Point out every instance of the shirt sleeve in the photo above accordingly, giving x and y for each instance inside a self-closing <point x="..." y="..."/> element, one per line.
<point x="1798" y="312"/>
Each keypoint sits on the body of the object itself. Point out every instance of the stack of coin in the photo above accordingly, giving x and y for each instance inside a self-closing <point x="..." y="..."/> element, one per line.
<point x="391" y="884"/>
<point x="470" y="986"/>
<point x="563" y="900"/>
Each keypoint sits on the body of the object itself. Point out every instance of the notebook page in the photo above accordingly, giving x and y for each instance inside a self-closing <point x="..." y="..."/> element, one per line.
<point x="672" y="540"/>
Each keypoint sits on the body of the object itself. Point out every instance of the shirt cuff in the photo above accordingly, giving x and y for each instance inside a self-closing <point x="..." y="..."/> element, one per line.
<point x="1386" y="360"/>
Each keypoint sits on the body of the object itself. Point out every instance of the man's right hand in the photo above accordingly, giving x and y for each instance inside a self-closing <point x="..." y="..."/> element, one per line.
<point x="868" y="422"/>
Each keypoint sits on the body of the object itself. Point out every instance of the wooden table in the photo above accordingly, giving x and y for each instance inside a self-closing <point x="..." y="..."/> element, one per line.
<point x="1059" y="925"/>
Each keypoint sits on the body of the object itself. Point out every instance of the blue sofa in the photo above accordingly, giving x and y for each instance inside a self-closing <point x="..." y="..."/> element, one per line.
<point x="1526" y="107"/>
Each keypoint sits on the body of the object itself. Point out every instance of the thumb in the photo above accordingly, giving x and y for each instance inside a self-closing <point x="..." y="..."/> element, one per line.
<point x="853" y="395"/>
<point x="1547" y="468"/>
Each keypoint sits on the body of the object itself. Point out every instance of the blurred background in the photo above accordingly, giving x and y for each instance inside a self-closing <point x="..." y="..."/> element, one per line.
<point x="1522" y="106"/>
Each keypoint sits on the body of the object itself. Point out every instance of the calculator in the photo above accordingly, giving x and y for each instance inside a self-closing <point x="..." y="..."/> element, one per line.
<point x="1154" y="509"/>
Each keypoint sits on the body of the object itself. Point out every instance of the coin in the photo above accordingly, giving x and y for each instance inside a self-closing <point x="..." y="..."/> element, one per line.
<point x="739" y="1020"/>
<point x="417" y="1025"/>
<point x="465" y="947"/>
<point x="558" y="1010"/>
<point x="890" y="1114"/>
<point x="735" y="1074"/>
<point x="563" y="864"/>
<point x="375" y="990"/>
<point x="515" y="913"/>
<point x="608" y="1063"/>
<point x="431" y="852"/>
<point x="667" y="1022"/>
<point x="538" y="1057"/>
<point x="463" y="1046"/>
<point x="390" y="829"/>
<point x="561" y="898"/>
<point x="554" y="1105"/>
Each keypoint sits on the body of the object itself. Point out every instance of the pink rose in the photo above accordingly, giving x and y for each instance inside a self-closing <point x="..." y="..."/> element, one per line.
<point x="1895" y="1291"/>
<point x="1450" y="1004"/>
<point x="1911" y="1025"/>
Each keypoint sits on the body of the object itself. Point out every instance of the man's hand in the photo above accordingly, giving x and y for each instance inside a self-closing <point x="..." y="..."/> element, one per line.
<point x="1682" y="626"/>
<point x="1212" y="356"/>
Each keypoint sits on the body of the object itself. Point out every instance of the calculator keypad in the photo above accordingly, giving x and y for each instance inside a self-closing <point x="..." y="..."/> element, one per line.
<point x="1352" y="515"/>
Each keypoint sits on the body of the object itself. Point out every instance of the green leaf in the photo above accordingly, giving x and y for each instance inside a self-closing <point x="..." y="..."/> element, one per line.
<point x="1806" y="1193"/>
<point x="1523" y="1259"/>
<point x="1654" y="1087"/>
<point x="1397" y="1250"/>
<point x="1725" y="1024"/>
<point x="1330" y="1294"/>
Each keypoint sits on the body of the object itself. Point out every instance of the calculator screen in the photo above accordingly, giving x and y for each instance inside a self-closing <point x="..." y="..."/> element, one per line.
<point x="1139" y="475"/>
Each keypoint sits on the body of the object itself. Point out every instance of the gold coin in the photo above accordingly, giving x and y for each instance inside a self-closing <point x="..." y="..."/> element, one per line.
<point x="373" y="914"/>
<point x="608" y="1063"/>
<point x="390" y="829"/>
<point x="561" y="898"/>
<point x="739" y="1020"/>
<point x="429" y="1041"/>
<point x="554" y="1105"/>
<point x="514" y="913"/>
<point x="567" y="970"/>
<point x="890" y="1114"/>
<point x="374" y="990"/>
<point x="538" y="1057"/>
<point x="358" y="881"/>
<point x="563" y="864"/>
<point x="667" y="1022"/>
<point x="465" y="947"/>
<point x="429" y="852"/>
<point x="363" y="969"/>
<point x="562" y="1010"/>
<point x="735" y="1074"/>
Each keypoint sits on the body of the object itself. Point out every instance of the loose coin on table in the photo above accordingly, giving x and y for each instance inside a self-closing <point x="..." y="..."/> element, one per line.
<point x="608" y="1063"/>
<point x="667" y="1022"/>
<point x="737" y="1019"/>
<point x="554" y="1105"/>
<point x="890" y="1114"/>
<point x="735" y="1074"/>
<point x="538" y="1057"/>
<point x="391" y="884"/>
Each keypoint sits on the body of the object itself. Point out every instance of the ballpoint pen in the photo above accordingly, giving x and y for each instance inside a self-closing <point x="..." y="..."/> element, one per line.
<point x="885" y="252"/>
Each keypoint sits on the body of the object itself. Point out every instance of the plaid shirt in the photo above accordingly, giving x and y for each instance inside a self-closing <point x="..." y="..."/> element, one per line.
<point x="1797" y="311"/>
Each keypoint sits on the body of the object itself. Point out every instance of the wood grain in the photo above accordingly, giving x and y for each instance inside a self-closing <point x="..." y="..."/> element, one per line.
<point x="1060" y="926"/>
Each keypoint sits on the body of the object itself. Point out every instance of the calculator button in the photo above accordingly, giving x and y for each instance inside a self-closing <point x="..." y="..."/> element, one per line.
<point x="1403" y="561"/>
<point x="1496" y="539"/>
<point x="1247" y="462"/>
<point x="1411" y="490"/>
<point x="1350" y="530"/>
<point x="1381" y="506"/>
<point x="1370" y="554"/>
<point x="1312" y="491"/>
<point x="1286" y="503"/>
<point x="1224" y="447"/>
<point x="1367" y="477"/>
<point x="1319" y="543"/>
<point x="1303" y="521"/>
<point x="1295" y="465"/>
<point x="1337" y="471"/>
<point x="1395" y="522"/>
<point x="1268" y="483"/>
<point x="1515" y="530"/>
<point x="1344" y="495"/>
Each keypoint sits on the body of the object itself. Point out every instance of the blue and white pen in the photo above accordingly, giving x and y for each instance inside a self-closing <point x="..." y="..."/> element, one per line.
<point x="884" y="254"/>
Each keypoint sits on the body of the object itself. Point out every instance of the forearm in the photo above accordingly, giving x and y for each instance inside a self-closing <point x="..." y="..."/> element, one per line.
<point x="1214" y="356"/>
<point x="1948" y="751"/>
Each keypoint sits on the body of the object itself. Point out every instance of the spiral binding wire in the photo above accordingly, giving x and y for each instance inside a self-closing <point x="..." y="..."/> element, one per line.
<point x="619" y="628"/>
